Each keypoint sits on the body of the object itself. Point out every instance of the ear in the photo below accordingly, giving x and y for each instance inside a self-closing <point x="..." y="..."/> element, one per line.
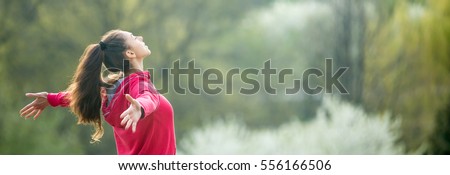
<point x="130" y="54"/>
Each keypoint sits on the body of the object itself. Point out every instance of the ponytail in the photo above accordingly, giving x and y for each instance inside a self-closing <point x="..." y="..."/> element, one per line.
<point x="85" y="88"/>
<point x="85" y="98"/>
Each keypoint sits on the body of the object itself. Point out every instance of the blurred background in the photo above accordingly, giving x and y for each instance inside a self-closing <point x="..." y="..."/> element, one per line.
<point x="398" y="80"/>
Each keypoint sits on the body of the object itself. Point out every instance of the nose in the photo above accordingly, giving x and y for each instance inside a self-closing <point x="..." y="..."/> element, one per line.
<point x="141" y="38"/>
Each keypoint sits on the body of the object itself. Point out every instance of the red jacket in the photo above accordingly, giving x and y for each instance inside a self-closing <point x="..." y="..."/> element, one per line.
<point x="155" y="132"/>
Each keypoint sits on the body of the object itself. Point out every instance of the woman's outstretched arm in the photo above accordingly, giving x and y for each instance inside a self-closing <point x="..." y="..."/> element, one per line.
<point x="41" y="101"/>
<point x="143" y="101"/>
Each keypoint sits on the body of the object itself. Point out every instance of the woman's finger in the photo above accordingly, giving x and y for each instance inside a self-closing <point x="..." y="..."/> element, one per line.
<point x="133" y="127"/>
<point x="128" y="124"/>
<point x="37" y="115"/>
<point x="124" y="120"/>
<point x="36" y="95"/>
<point x="32" y="95"/>
<point x="129" y="98"/>
<point x="132" y="100"/>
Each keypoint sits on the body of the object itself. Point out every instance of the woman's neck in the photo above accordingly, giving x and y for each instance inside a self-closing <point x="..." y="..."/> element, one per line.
<point x="137" y="65"/>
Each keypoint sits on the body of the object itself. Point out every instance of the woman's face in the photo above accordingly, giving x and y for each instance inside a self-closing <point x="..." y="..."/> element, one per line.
<point x="136" y="45"/>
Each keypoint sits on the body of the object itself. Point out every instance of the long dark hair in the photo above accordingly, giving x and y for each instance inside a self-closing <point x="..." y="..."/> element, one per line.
<point x="85" y="88"/>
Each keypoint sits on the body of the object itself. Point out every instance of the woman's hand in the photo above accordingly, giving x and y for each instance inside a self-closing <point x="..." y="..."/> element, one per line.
<point x="35" y="108"/>
<point x="131" y="116"/>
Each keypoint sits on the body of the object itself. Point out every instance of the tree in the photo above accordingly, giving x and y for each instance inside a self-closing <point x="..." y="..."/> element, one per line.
<point x="349" y="47"/>
<point x="407" y="68"/>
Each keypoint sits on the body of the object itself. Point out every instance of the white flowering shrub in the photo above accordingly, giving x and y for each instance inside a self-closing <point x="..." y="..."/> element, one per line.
<point x="338" y="128"/>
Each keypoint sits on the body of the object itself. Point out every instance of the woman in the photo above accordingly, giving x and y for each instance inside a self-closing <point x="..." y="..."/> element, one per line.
<point x="130" y="102"/>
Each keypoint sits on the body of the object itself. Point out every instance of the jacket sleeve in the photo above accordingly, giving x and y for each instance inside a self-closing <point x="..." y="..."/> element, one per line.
<point x="58" y="99"/>
<point x="145" y="93"/>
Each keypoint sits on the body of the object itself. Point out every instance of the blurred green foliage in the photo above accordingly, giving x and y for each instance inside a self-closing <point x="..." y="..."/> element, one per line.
<point x="337" y="128"/>
<point x="397" y="52"/>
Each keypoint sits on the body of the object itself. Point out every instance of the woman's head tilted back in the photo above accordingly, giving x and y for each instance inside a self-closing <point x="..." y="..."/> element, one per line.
<point x="84" y="90"/>
<point x="113" y="44"/>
